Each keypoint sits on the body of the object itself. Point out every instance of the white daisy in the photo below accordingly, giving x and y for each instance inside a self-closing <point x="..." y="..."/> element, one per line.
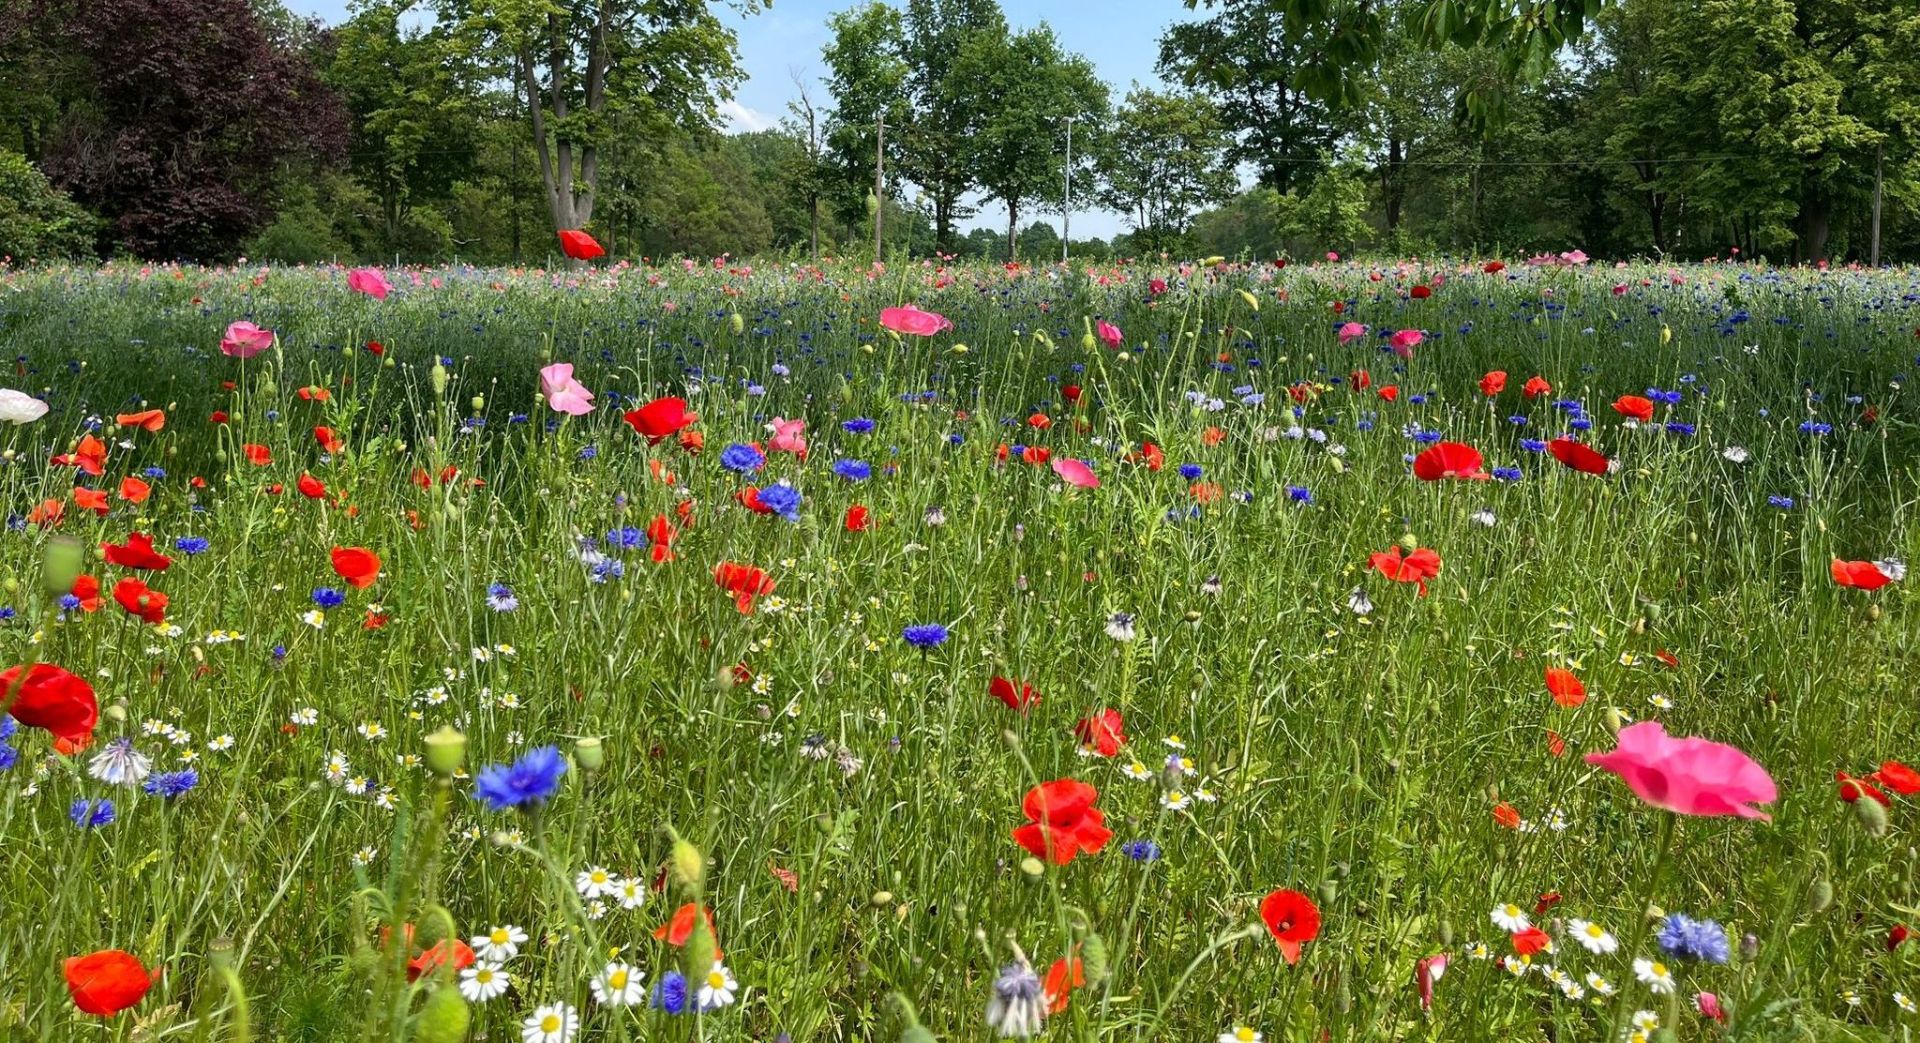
<point x="1592" y="937"/>
<point x="1174" y="800"/>
<point x="1137" y="771"/>
<point x="500" y="944"/>
<point x="718" y="989"/>
<point x="1599" y="985"/>
<point x="619" y="986"/>
<point x="631" y="893"/>
<point x="553" y="1023"/>
<point x="593" y="882"/>
<point x="483" y="981"/>
<point x="1241" y="1034"/>
<point x="1510" y="918"/>
<point x="1654" y="974"/>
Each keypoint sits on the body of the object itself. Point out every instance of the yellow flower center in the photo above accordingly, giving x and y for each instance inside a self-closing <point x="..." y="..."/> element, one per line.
<point x="1243" y="1034"/>
<point x="599" y="877"/>
<point x="1594" y="931"/>
<point x="1659" y="970"/>
<point x="550" y="1023"/>
<point x="618" y="979"/>
<point x="716" y="980"/>
<point x="499" y="936"/>
<point x="484" y="976"/>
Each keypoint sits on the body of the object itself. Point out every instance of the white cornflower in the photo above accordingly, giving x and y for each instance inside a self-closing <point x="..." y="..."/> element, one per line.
<point x="119" y="764"/>
<point x="1120" y="626"/>
<point x="499" y="944"/>
<point x="1483" y="517"/>
<point x="1359" y="603"/>
<point x="619" y="985"/>
<point x="1018" y="1006"/>
<point x="484" y="981"/>
<point x="1736" y="454"/>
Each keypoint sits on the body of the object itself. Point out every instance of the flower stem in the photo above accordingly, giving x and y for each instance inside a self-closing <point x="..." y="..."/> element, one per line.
<point x="1639" y="935"/>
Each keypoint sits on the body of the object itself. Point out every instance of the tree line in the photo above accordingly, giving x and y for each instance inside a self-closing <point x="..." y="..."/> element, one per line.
<point x="427" y="130"/>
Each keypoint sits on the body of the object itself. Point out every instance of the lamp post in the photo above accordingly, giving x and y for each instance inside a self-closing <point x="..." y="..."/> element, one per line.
<point x="1066" y="206"/>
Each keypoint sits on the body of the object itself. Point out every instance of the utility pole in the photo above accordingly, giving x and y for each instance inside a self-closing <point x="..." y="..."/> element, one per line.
<point x="1873" y="257"/>
<point x="1066" y="207"/>
<point x="879" y="179"/>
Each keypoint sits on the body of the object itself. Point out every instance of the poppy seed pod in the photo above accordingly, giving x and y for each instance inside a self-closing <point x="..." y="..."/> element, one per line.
<point x="1409" y="542"/>
<point x="688" y="865"/>
<point x="1872" y="815"/>
<point x="444" y="1018"/>
<point x="446" y="751"/>
<point x="589" y="753"/>
<point x="1820" y="895"/>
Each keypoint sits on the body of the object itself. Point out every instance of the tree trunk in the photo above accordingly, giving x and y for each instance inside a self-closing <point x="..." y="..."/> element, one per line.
<point x="943" y="224"/>
<point x="1013" y="214"/>
<point x="1815" y="225"/>
<point x="1873" y="255"/>
<point x="1391" y="187"/>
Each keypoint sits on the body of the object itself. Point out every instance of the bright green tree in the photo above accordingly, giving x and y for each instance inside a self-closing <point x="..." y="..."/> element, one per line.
<point x="1162" y="158"/>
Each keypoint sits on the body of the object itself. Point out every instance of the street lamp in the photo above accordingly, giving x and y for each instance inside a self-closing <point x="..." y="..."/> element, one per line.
<point x="1066" y="205"/>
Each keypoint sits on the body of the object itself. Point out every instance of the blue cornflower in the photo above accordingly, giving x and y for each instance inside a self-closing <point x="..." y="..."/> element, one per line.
<point x="1141" y="850"/>
<point x="1517" y="420"/>
<point x="526" y="782"/>
<point x="853" y="470"/>
<point x="670" y="993"/>
<point x="7" y="727"/>
<point x="1191" y="472"/>
<point x="925" y="635"/>
<point x="155" y="472"/>
<point x="627" y="537"/>
<point x="191" y="545"/>
<point x="8" y="755"/>
<point x="279" y="653"/>
<point x="742" y="459"/>
<point x="1533" y="445"/>
<point x="1815" y="427"/>
<point x="857" y="426"/>
<point x="1507" y="474"/>
<point x="587" y="452"/>
<point x="69" y="602"/>
<point x="1580" y="423"/>
<point x="170" y="784"/>
<point x="1300" y="494"/>
<point x="1785" y="503"/>
<point x="1426" y="437"/>
<point x="500" y="598"/>
<point x="91" y="814"/>
<point x="783" y="500"/>
<point x="1685" y="938"/>
<point x="327" y="597"/>
<point x="780" y="370"/>
<point x="606" y="569"/>
<point x="1675" y="427"/>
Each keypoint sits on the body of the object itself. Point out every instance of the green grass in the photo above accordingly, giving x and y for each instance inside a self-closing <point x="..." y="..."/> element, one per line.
<point x="1357" y="759"/>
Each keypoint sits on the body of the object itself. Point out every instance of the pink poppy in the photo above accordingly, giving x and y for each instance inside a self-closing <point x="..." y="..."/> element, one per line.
<point x="1688" y="776"/>
<point x="789" y="436"/>
<point x="1109" y="334"/>
<point x="1073" y="472"/>
<point x="1350" y="332"/>
<point x="1404" y="341"/>
<point x="244" y="340"/>
<point x="370" y="282"/>
<point x="565" y="394"/>
<point x="1426" y="974"/>
<point x="914" y="321"/>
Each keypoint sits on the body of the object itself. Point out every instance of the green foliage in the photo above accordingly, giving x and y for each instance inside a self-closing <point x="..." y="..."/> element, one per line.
<point x="38" y="222"/>
<point x="1161" y="159"/>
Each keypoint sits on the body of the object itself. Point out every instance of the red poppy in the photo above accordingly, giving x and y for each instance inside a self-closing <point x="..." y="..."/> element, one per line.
<point x="579" y="245"/>
<point x="1292" y="919"/>
<point x="1039" y="421"/>
<point x="357" y="565"/>
<point x="749" y="498"/>
<point x="858" y="518"/>
<point x="94" y="500"/>
<point x="1016" y="698"/>
<point x="1063" y="977"/>
<point x="1530" y="940"/>
<point x="744" y="582"/>
<point x="376" y="348"/>
<point x="660" y="419"/>
<point x="430" y="960"/>
<point x="1148" y="454"/>
<point x="1493" y="383"/>
<point x="1448" y="460"/>
<point x="329" y="440"/>
<point x="1062" y="821"/>
<point x="48" y="513"/>
<point x="1103" y="732"/>
<point x="692" y="441"/>
<point x="87" y="589"/>
<point x="1418" y="567"/>
<point x="1420" y="293"/>
<point x="1898" y="778"/>
<point x="1506" y="815"/>
<point x="60" y="703"/>
<point x="1582" y="458"/>
<point x="1860" y="575"/>
<point x="149" y="420"/>
<point x="256" y="454"/>
<point x="218" y="416"/>
<point x="314" y="393"/>
<point x="107" y="982"/>
<point x="1897" y="936"/>
<point x="141" y="600"/>
<point x="310" y="487"/>
<point x="1071" y="393"/>
<point x="1212" y="436"/>
<point x="1535" y="387"/>
<point x="1852" y="789"/>
<point x="90" y="456"/>
<point x="1546" y="901"/>
<point x="1389" y="393"/>
<point x="1556" y="744"/>
<point x="1565" y="688"/>
<point x="1037" y="455"/>
<point x="133" y="490"/>
<point x="1360" y="379"/>
<point x="677" y="930"/>
<point x="136" y="553"/>
<point x="1494" y="267"/>
<point x="1634" y="407"/>
<point x="660" y="536"/>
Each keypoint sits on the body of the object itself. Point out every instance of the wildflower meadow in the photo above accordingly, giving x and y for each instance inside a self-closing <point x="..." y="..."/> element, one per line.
<point x="1345" y="650"/>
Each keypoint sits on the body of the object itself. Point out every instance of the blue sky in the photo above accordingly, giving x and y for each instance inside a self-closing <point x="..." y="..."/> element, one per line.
<point x="1121" y="38"/>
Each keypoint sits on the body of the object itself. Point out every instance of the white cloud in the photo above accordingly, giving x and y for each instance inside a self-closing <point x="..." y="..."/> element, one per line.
<point x="741" y="119"/>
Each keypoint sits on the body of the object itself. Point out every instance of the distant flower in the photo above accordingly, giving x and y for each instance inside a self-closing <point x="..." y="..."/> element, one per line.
<point x="500" y="944"/>
<point x="782" y="499"/>
<point x="1683" y="937"/>
<point x="91" y="814"/>
<point x="327" y="597"/>
<point x="925" y="635"/>
<point x="191" y="545"/>
<point x="528" y="782"/>
<point x="1062" y="821"/>
<point x="171" y="784"/>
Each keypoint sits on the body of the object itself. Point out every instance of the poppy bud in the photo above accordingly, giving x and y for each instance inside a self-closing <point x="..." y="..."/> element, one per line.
<point x="688" y="865"/>
<point x="911" y="1031"/>
<point x="1615" y="720"/>
<point x="739" y="324"/>
<point x="1329" y="892"/>
<point x="1094" y="958"/>
<point x="1749" y="946"/>
<point x="1446" y="934"/>
<point x="116" y="712"/>
<point x="61" y="564"/>
<point x="479" y="403"/>
<point x="882" y="899"/>
<point x="1033" y="868"/>
<point x="444" y="1018"/>
<point x="1872" y="815"/>
<point x="1343" y="996"/>
<point x="446" y="751"/>
<point x="438" y="378"/>
<point x="699" y="953"/>
<point x="1873" y="611"/>
<point x="589" y="753"/>
<point x="1820" y="895"/>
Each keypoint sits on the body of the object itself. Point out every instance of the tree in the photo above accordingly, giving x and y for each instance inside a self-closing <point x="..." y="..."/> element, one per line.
<point x="867" y="77"/>
<point x="37" y="221"/>
<point x="1163" y="157"/>
<point x="186" y="112"/>
<point x="946" y="110"/>
<point x="1016" y="152"/>
<point x="660" y="65"/>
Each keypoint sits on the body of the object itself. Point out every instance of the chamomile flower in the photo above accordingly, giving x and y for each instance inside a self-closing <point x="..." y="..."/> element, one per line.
<point x="1599" y="985"/>
<point x="1645" y="1020"/>
<point x="1654" y="975"/>
<point x="1592" y="937"/>
<point x="483" y="981"/>
<point x="372" y="731"/>
<point x="337" y="767"/>
<point x="1175" y="800"/>
<point x="553" y="1023"/>
<point x="1510" y="918"/>
<point x="499" y="944"/>
<point x="1905" y="1003"/>
<point x="304" y="717"/>
<point x="1137" y="771"/>
<point x="365" y="856"/>
<point x="1241" y="1034"/>
<point x="220" y="743"/>
<point x="619" y="985"/>
<point x="717" y="989"/>
<point x="630" y="892"/>
<point x="594" y="882"/>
